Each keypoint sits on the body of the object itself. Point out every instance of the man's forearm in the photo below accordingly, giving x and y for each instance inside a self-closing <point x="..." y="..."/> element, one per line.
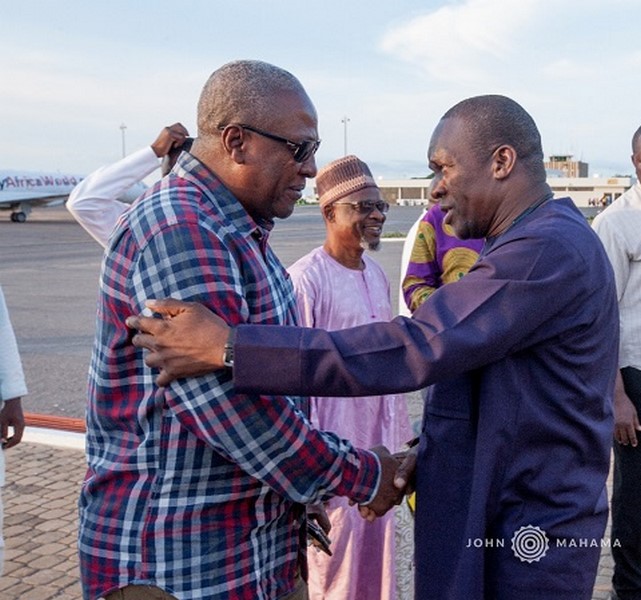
<point x="314" y="362"/>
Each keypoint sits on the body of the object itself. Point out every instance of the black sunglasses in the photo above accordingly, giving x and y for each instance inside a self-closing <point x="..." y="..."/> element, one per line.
<point x="302" y="151"/>
<point x="365" y="207"/>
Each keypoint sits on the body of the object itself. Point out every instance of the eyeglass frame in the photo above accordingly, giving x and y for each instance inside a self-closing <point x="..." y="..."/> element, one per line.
<point x="359" y="206"/>
<point x="302" y="151"/>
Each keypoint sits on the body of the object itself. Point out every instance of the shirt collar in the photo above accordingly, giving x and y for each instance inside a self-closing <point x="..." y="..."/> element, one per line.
<point x="222" y="200"/>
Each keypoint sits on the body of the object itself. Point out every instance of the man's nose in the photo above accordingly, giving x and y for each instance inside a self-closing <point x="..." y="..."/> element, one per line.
<point x="437" y="189"/>
<point x="378" y="214"/>
<point x="308" y="167"/>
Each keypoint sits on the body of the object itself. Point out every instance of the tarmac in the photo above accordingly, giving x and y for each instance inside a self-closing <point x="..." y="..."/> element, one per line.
<point x="44" y="474"/>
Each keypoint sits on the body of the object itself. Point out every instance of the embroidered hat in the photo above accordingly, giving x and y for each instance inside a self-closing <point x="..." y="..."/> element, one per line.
<point x="341" y="178"/>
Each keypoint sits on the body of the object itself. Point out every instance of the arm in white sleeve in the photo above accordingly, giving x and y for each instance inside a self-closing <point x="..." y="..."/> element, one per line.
<point x="12" y="383"/>
<point x="610" y="227"/>
<point x="94" y="201"/>
<point x="408" y="244"/>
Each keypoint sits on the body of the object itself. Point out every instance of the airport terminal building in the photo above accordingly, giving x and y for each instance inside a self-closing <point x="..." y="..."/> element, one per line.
<point x="565" y="176"/>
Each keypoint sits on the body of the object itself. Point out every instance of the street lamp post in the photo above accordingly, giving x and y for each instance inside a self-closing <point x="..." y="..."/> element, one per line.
<point x="122" y="129"/>
<point x="345" y="121"/>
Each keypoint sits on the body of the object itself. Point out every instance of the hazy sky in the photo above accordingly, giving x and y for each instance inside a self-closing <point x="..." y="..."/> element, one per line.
<point x="73" y="71"/>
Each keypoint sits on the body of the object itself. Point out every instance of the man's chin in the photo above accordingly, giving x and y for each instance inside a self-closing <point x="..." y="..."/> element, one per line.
<point x="282" y="212"/>
<point x="372" y="246"/>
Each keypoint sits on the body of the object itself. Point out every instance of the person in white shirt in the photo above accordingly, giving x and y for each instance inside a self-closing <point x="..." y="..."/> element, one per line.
<point x="12" y="387"/>
<point x="94" y="201"/>
<point x="619" y="228"/>
<point x="408" y="245"/>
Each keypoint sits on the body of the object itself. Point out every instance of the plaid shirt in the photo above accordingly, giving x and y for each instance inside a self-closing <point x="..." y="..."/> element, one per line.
<point x="194" y="488"/>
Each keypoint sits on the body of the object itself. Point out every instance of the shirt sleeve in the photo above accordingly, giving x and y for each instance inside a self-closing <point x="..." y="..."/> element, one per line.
<point x="265" y="435"/>
<point x="12" y="382"/>
<point x="507" y="302"/>
<point x="616" y="249"/>
<point x="305" y="299"/>
<point x="94" y="201"/>
<point x="423" y="272"/>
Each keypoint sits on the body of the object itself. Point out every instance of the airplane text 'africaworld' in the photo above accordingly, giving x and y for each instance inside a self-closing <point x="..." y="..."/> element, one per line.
<point x="18" y="182"/>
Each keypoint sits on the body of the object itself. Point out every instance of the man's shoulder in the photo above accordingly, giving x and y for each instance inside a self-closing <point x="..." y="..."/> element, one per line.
<point x="373" y="264"/>
<point x="555" y="236"/>
<point x="626" y="206"/>
<point x="179" y="203"/>
<point x="630" y="199"/>
<point x="169" y="207"/>
<point x="571" y="246"/>
<point x="558" y="215"/>
<point x="307" y="264"/>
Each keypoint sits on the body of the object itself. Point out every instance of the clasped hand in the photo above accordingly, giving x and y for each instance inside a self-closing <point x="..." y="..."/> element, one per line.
<point x="397" y="480"/>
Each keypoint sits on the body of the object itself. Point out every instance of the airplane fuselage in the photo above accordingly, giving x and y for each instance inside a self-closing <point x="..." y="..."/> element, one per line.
<point x="20" y="191"/>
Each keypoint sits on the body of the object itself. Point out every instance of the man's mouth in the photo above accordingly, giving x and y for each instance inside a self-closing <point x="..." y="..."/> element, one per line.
<point x="297" y="191"/>
<point x="373" y="229"/>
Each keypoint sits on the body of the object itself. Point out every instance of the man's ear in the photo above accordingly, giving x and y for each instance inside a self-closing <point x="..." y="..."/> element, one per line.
<point x="233" y="141"/>
<point x="328" y="212"/>
<point x="503" y="161"/>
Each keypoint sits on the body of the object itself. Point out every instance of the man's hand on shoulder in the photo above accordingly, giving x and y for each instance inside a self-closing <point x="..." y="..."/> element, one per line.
<point x="186" y="341"/>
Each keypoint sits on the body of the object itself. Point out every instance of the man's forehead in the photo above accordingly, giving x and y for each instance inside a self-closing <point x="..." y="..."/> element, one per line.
<point x="295" y="103"/>
<point x="449" y="129"/>
<point x="449" y="135"/>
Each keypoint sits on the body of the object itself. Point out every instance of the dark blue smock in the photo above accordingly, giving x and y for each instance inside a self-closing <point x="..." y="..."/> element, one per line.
<point x="518" y="426"/>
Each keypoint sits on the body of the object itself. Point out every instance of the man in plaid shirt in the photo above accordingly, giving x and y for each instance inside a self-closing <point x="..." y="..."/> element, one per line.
<point x="195" y="491"/>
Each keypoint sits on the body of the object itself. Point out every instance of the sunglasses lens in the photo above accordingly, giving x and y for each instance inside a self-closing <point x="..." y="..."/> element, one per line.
<point x="305" y="150"/>
<point x="366" y="207"/>
<point x="300" y="154"/>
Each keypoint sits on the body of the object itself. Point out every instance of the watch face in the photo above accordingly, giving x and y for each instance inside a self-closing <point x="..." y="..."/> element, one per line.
<point x="228" y="356"/>
<point x="228" y="352"/>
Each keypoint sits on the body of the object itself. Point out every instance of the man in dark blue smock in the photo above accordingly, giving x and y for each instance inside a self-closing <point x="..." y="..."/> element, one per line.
<point x="514" y="452"/>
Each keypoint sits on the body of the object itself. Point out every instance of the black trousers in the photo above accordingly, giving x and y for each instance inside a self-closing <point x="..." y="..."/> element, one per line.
<point x="626" y="504"/>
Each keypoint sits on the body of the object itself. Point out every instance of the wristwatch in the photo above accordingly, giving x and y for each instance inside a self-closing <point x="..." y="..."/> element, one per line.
<point x="228" y="352"/>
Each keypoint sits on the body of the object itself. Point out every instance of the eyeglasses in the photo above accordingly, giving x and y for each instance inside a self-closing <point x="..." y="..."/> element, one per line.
<point x="365" y="207"/>
<point x="302" y="151"/>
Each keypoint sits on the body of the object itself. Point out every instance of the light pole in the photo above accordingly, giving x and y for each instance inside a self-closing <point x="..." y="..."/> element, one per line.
<point x="345" y="121"/>
<point x="122" y="129"/>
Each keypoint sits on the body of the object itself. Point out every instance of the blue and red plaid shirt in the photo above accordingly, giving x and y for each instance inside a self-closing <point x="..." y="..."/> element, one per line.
<point x="194" y="488"/>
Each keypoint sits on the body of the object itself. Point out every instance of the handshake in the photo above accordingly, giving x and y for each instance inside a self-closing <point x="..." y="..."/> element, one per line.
<point x="397" y="480"/>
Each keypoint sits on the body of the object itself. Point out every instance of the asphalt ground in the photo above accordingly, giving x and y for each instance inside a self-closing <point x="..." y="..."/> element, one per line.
<point x="49" y="269"/>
